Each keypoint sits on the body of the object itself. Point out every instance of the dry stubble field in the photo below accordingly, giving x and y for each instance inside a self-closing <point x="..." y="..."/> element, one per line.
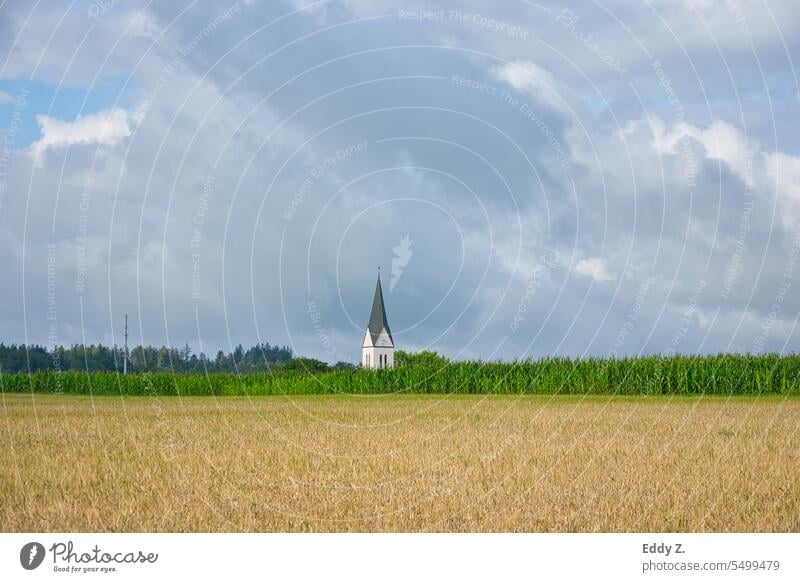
<point x="401" y="463"/>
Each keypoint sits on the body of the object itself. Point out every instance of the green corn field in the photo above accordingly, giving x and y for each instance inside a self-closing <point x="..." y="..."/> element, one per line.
<point x="724" y="374"/>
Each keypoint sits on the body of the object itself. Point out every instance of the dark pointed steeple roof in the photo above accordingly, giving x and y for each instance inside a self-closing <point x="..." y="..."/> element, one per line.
<point x="377" y="318"/>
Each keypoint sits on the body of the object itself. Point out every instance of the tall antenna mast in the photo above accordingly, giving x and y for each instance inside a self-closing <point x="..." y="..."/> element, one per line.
<point x="125" y="355"/>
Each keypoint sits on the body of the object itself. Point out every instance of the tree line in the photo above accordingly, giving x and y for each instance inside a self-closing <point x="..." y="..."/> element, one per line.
<point x="99" y="358"/>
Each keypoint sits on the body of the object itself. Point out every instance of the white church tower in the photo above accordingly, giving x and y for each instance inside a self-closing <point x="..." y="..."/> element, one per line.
<point x="377" y="350"/>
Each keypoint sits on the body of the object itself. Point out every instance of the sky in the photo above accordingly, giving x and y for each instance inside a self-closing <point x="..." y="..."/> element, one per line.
<point x="596" y="178"/>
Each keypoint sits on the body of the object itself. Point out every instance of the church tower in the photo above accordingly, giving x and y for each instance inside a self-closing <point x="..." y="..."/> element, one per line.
<point x="377" y="350"/>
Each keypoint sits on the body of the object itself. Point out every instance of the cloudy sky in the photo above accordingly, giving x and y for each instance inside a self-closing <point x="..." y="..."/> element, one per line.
<point x="533" y="178"/>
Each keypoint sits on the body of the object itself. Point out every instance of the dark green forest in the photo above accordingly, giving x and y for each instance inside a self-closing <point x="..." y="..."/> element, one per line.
<point x="99" y="358"/>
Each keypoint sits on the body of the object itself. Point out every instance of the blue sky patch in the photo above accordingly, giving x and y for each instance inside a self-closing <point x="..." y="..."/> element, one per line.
<point x="31" y="98"/>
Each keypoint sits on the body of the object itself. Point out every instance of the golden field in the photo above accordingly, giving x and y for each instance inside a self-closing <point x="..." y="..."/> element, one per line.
<point x="399" y="463"/>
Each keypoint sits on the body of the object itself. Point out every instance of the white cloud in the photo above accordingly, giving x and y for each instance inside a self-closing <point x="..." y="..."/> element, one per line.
<point x="317" y="10"/>
<point x="5" y="97"/>
<point x="104" y="128"/>
<point x="533" y="79"/>
<point x="765" y="173"/>
<point x="721" y="140"/>
<point x="144" y="25"/>
<point x="594" y="267"/>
